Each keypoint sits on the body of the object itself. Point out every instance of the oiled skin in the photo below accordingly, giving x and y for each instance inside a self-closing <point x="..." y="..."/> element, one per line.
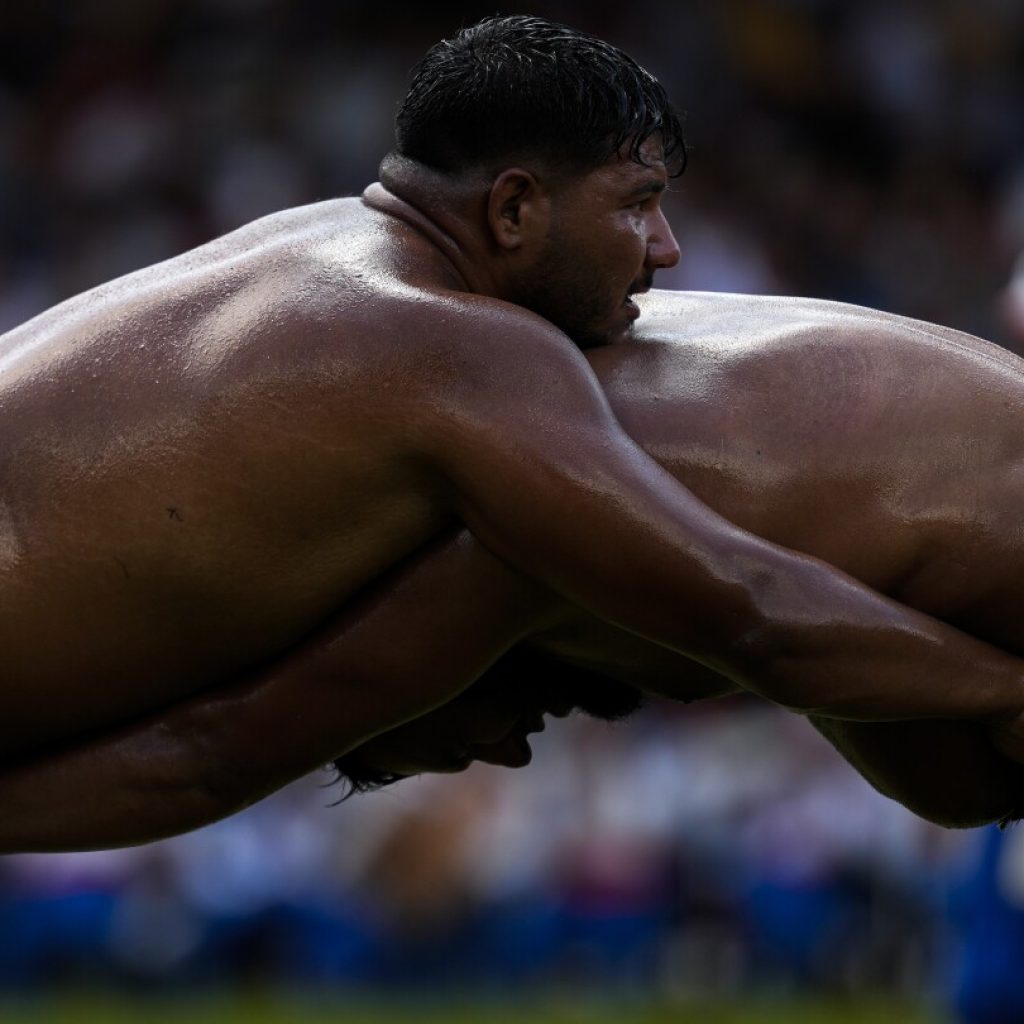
<point x="885" y="445"/>
<point x="888" y="447"/>
<point x="196" y="467"/>
<point x="207" y="463"/>
<point x="204" y="460"/>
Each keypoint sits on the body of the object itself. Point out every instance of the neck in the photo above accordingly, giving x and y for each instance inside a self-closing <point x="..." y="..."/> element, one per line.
<point x="447" y="208"/>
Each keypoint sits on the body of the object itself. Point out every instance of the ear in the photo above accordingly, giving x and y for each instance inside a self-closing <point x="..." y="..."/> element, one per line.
<point x="518" y="209"/>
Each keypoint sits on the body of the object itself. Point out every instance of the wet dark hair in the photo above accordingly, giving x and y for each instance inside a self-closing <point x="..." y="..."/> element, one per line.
<point x="523" y="85"/>
<point x="359" y="778"/>
<point x="586" y="692"/>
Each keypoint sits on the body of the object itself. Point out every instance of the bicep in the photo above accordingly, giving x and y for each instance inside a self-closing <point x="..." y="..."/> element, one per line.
<point x="543" y="474"/>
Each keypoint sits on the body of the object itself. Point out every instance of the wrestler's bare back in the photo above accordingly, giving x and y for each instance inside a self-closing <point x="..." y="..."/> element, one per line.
<point x="196" y="466"/>
<point x="890" y="448"/>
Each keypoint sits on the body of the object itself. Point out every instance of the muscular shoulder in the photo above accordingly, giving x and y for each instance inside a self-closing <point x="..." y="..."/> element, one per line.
<point x="352" y="303"/>
<point x="477" y="387"/>
<point x="471" y="344"/>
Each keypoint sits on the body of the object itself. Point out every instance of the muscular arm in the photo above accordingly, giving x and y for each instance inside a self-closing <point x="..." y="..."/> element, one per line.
<point x="412" y="643"/>
<point x="423" y="634"/>
<point x="543" y="474"/>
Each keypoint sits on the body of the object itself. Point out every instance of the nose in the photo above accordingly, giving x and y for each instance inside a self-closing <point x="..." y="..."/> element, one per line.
<point x="662" y="247"/>
<point x="535" y="723"/>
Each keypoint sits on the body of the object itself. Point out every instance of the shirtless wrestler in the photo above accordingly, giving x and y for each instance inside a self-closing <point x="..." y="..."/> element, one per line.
<point x="205" y="460"/>
<point x="887" y="446"/>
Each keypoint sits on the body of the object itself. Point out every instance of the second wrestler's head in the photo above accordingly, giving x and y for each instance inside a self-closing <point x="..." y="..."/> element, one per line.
<point x="489" y="722"/>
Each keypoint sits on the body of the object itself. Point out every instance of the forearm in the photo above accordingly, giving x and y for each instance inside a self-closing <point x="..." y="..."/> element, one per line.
<point x="413" y="642"/>
<point x="195" y="762"/>
<point x="548" y="480"/>
<point x="129" y="786"/>
<point x="825" y="644"/>
<point x="780" y="624"/>
<point x="947" y="772"/>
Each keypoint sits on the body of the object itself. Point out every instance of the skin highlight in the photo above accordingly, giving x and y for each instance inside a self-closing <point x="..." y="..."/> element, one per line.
<point x="871" y="488"/>
<point x="867" y="488"/>
<point x="271" y="432"/>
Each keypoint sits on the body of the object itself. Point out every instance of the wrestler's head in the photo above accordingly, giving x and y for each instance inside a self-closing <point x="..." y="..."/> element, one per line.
<point x="490" y="722"/>
<point x="570" y="144"/>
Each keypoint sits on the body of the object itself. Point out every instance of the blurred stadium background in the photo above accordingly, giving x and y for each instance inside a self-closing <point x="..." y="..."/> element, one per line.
<point x="716" y="863"/>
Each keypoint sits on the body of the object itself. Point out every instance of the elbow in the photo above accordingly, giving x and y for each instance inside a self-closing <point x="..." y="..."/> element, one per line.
<point x="206" y="782"/>
<point x="780" y="641"/>
<point x="762" y="653"/>
<point x="212" y="794"/>
<point x="218" y="789"/>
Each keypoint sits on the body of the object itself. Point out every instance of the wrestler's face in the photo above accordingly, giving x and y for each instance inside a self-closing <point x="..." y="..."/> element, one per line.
<point x="607" y="238"/>
<point x="490" y="722"/>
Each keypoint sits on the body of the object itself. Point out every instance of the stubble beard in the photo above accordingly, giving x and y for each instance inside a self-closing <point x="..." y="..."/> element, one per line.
<point x="562" y="292"/>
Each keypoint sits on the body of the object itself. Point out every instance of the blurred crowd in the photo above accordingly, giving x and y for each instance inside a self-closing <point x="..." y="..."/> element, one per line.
<point x="868" y="151"/>
<point x="836" y="145"/>
<point x="687" y="852"/>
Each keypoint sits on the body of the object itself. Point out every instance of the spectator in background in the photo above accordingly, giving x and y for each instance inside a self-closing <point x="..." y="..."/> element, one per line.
<point x="990" y="899"/>
<point x="1012" y="304"/>
<point x="990" y="913"/>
